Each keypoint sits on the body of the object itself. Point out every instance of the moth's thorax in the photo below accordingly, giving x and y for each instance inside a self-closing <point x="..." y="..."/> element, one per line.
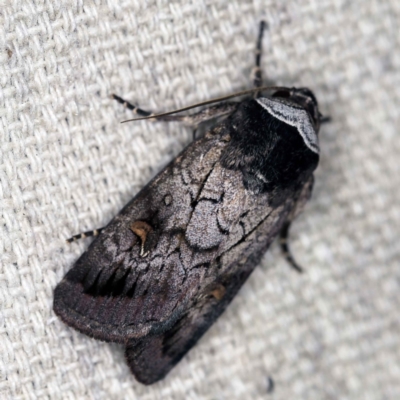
<point x="273" y="142"/>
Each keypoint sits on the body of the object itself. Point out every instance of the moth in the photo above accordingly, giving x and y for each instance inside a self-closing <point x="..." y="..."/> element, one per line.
<point x="166" y="267"/>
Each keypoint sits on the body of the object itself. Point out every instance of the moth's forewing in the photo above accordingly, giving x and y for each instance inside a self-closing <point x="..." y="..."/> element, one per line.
<point x="113" y="293"/>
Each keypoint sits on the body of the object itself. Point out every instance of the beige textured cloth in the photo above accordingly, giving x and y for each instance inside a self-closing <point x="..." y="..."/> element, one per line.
<point x="68" y="165"/>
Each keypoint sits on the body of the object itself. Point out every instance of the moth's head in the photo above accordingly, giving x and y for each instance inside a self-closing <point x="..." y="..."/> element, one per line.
<point x="305" y="98"/>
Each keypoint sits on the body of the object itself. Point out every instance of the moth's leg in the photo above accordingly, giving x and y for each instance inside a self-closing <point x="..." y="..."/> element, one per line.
<point x="130" y="106"/>
<point x="302" y="198"/>
<point x="95" y="232"/>
<point x="256" y="71"/>
<point x="195" y="119"/>
<point x="271" y="385"/>
<point x="283" y="242"/>
<point x="325" y="119"/>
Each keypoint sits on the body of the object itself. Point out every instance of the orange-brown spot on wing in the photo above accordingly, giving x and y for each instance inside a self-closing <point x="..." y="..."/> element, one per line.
<point x="218" y="292"/>
<point x="141" y="229"/>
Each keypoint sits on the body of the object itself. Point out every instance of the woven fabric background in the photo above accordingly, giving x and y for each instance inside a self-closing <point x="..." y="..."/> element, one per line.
<point x="68" y="165"/>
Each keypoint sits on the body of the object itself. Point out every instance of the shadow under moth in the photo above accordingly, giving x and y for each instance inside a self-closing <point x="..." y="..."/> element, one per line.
<point x="164" y="269"/>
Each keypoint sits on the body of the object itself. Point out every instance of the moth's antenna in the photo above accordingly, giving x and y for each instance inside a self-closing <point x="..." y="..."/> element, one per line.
<point x="218" y="99"/>
<point x="256" y="73"/>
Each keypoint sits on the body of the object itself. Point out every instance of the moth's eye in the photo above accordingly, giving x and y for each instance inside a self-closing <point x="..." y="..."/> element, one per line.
<point x="307" y="93"/>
